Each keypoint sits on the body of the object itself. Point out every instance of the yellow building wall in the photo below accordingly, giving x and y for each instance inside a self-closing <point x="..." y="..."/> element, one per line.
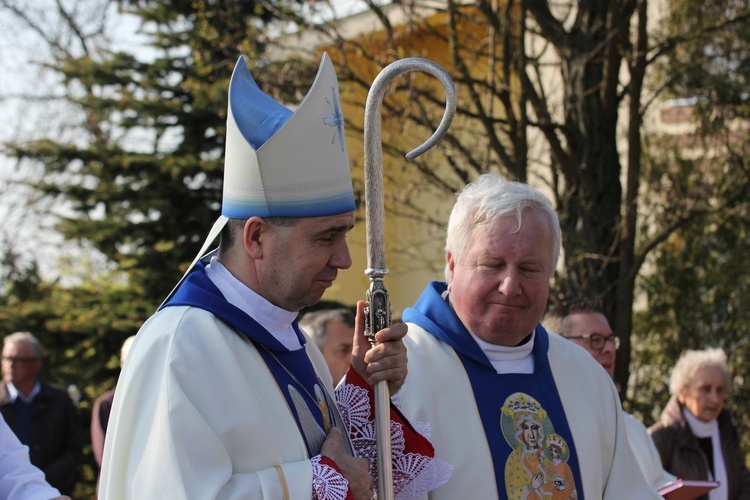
<point x="409" y="271"/>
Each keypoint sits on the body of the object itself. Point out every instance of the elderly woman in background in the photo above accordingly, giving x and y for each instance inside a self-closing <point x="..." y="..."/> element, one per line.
<point x="695" y="435"/>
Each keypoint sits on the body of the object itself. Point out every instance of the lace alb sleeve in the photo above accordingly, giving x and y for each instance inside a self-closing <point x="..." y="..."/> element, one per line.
<point x="328" y="483"/>
<point x="416" y="471"/>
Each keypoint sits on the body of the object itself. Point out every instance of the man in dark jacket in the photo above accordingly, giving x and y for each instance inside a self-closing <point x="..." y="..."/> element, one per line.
<point x="41" y="415"/>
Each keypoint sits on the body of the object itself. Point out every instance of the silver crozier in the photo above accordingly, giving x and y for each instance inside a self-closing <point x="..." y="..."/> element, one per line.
<point x="378" y="310"/>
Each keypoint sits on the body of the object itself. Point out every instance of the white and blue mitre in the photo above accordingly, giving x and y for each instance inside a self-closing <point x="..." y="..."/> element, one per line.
<point x="280" y="163"/>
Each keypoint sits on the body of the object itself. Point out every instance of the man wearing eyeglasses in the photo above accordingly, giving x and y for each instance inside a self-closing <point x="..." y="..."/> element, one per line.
<point x="41" y="415"/>
<point x="585" y="324"/>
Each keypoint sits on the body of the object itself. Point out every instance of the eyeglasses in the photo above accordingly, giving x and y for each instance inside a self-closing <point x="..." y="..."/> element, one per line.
<point x="597" y="341"/>
<point x="8" y="359"/>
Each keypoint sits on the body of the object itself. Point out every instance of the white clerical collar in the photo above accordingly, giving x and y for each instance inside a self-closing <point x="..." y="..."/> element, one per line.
<point x="276" y="320"/>
<point x="516" y="359"/>
<point x="14" y="393"/>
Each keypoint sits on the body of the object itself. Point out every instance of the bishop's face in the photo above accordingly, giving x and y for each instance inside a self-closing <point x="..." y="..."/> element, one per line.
<point x="301" y="261"/>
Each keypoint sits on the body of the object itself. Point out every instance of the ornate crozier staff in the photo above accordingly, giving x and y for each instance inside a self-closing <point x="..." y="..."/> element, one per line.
<point x="378" y="310"/>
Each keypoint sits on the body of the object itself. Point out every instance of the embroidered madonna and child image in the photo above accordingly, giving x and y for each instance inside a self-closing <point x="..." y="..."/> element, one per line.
<point x="537" y="467"/>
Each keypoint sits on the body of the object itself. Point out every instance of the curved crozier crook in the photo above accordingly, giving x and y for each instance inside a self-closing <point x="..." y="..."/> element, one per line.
<point x="373" y="148"/>
<point x="387" y="75"/>
<point x="373" y="152"/>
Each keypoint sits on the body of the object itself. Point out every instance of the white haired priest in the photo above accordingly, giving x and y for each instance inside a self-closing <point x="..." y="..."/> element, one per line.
<point x="222" y="394"/>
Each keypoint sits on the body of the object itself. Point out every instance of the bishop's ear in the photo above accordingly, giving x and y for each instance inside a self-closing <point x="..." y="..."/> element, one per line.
<point x="256" y="231"/>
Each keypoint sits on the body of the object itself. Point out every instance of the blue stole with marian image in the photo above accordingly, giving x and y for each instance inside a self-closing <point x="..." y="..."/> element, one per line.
<point x="522" y="414"/>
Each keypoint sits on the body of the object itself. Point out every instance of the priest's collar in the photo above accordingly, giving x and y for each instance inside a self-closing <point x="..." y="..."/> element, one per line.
<point x="273" y="318"/>
<point x="513" y="359"/>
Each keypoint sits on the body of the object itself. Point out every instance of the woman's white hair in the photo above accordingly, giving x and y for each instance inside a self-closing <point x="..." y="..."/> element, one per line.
<point x="492" y="197"/>
<point x="692" y="361"/>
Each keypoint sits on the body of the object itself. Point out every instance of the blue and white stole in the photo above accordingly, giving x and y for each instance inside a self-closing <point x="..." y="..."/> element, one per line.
<point x="527" y="431"/>
<point x="313" y="408"/>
